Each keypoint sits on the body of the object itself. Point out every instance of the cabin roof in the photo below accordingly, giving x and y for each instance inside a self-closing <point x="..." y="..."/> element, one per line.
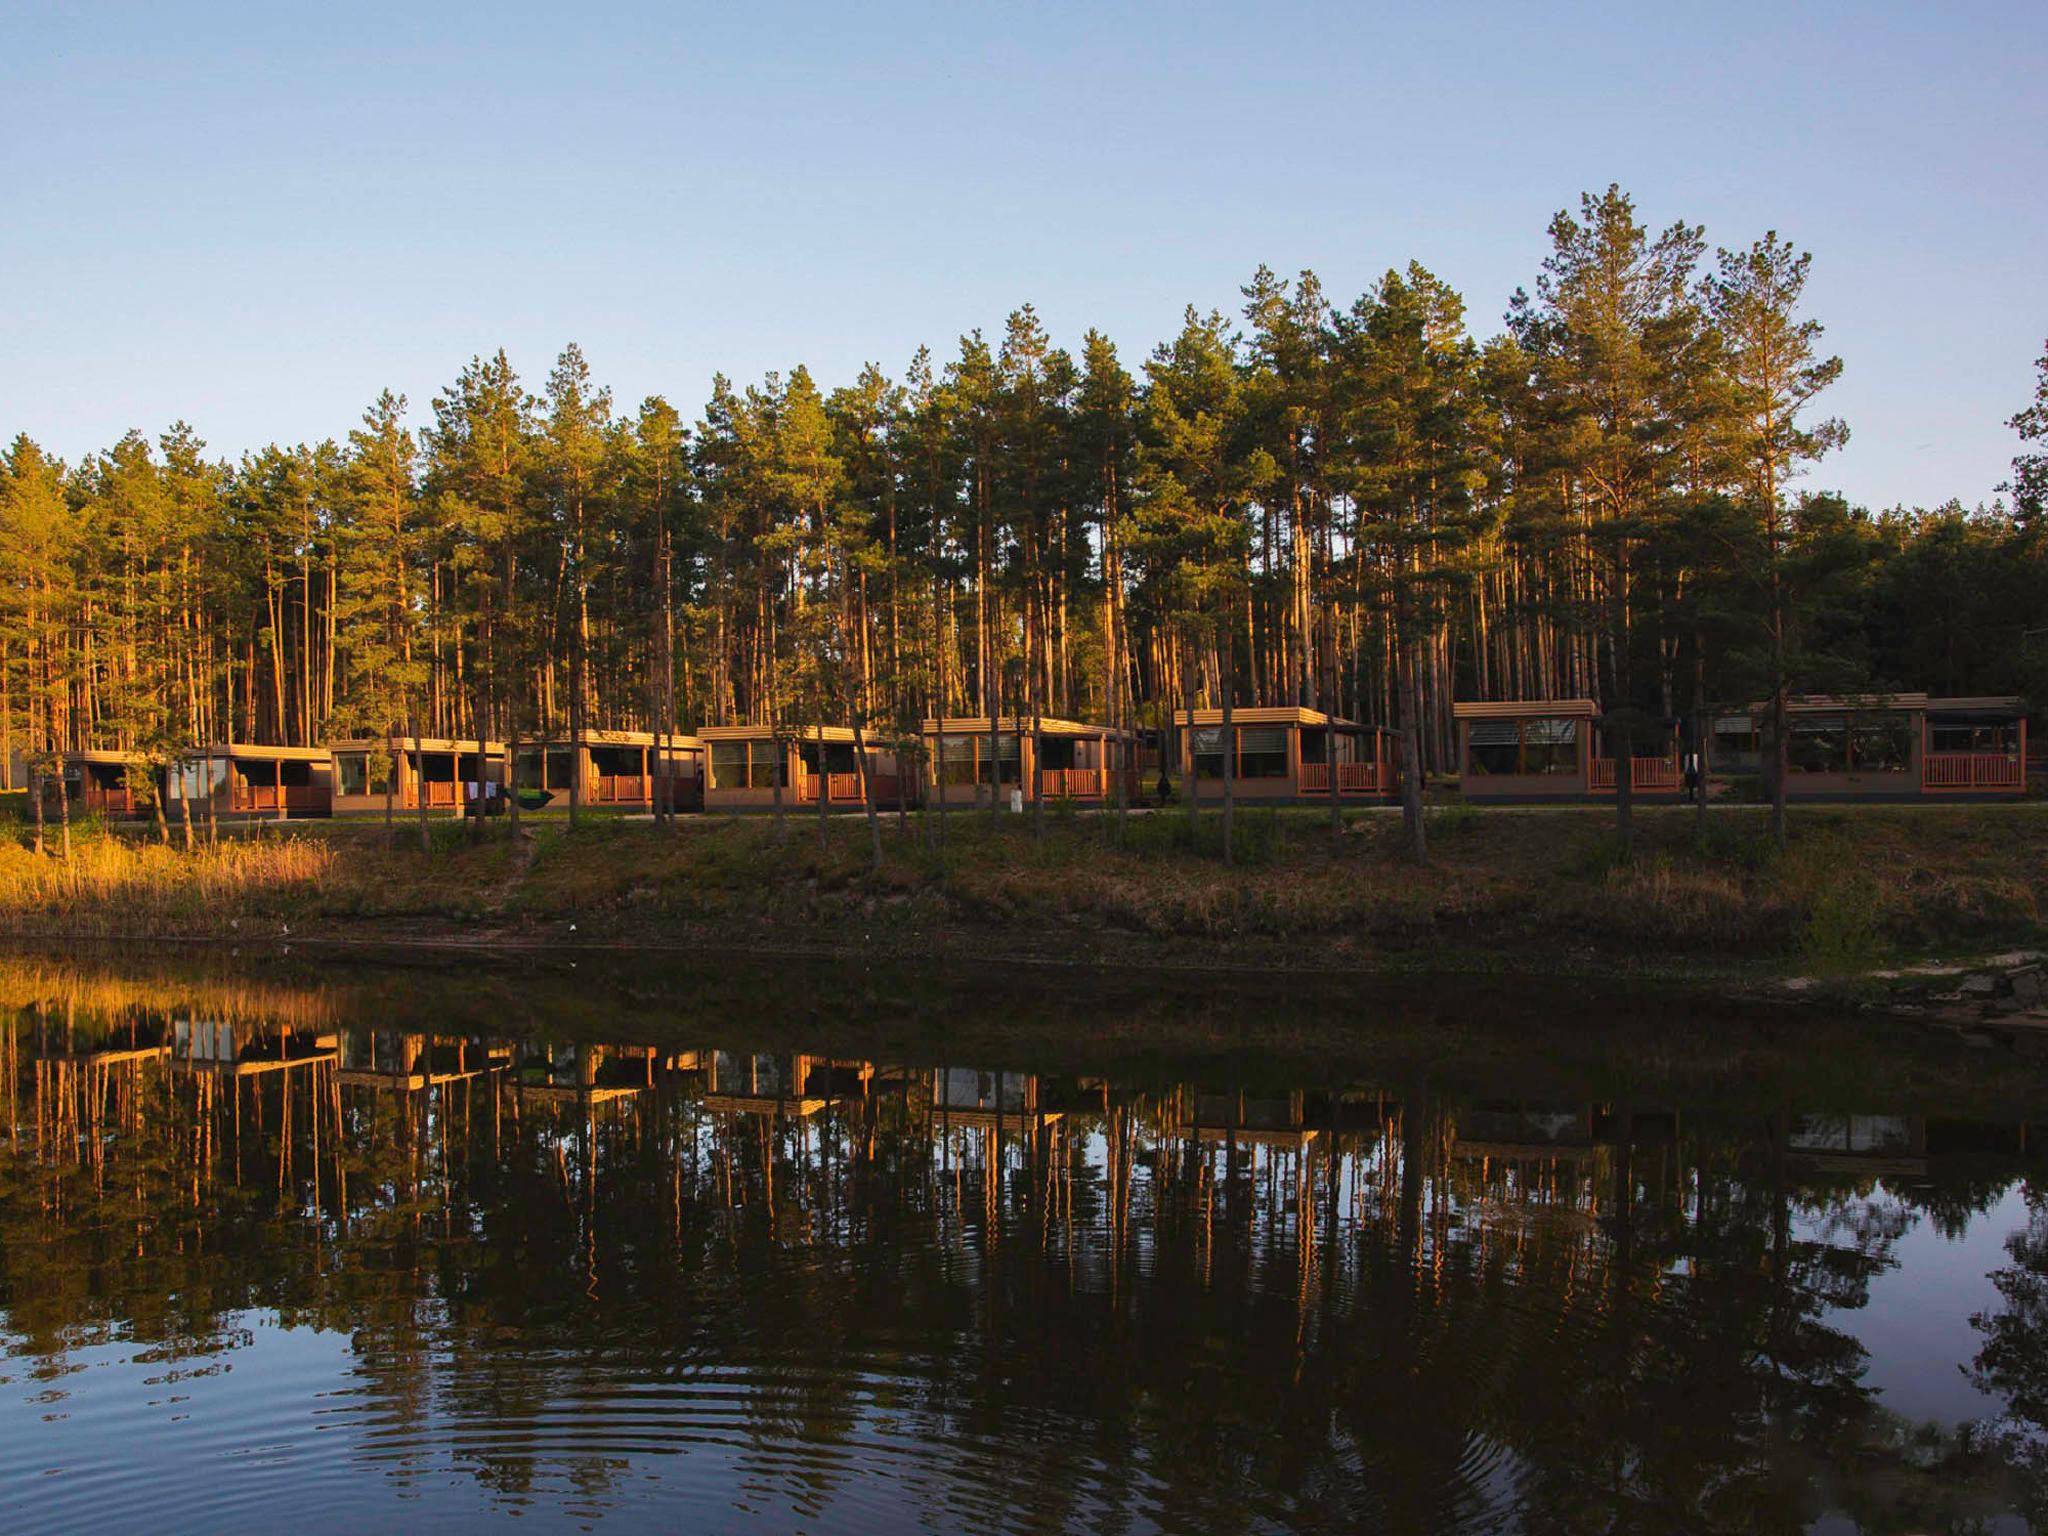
<point x="1523" y="709"/>
<point x="1979" y="704"/>
<point x="1010" y="725"/>
<point x="677" y="741"/>
<point x="1271" y="714"/>
<point x="106" y="757"/>
<point x="415" y="744"/>
<point x="795" y="735"/>
<point x="258" y="753"/>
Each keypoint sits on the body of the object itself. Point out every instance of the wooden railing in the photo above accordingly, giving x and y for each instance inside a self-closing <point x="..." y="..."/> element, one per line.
<point x="840" y="788"/>
<point x="109" y="802"/>
<point x="1651" y="773"/>
<point x="273" y="798"/>
<point x="1952" y="771"/>
<point x="618" y="789"/>
<point x="1072" y="783"/>
<point x="440" y="792"/>
<point x="1352" y="779"/>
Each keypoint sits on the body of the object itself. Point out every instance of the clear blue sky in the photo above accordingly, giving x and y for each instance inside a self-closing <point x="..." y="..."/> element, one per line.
<point x="257" y="217"/>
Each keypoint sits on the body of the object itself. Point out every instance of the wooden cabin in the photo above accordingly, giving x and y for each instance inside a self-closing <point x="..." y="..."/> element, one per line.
<point x="622" y="770"/>
<point x="1533" y="750"/>
<point x="1899" y="746"/>
<point x="244" y="780"/>
<point x="1284" y="754"/>
<point x="745" y="763"/>
<point x="1070" y="760"/>
<point x="754" y="1083"/>
<point x="441" y="772"/>
<point x="983" y="1100"/>
<point x="1280" y="1120"/>
<point x="400" y="1062"/>
<point x="111" y="784"/>
<point x="232" y="1049"/>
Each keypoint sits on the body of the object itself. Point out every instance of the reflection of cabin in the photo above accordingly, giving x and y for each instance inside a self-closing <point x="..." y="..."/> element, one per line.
<point x="749" y="1083"/>
<point x="577" y="1073"/>
<point x="1284" y="754"/>
<point x="745" y="764"/>
<point x="441" y="772"/>
<point x="1273" y="1120"/>
<point x="1554" y="749"/>
<point x="135" y="1040"/>
<point x="1071" y="761"/>
<point x="406" y="1063"/>
<point x="102" y="783"/>
<point x="243" y="780"/>
<point x="968" y="1096"/>
<point x="248" y="1050"/>
<point x="1900" y="746"/>
<point x="627" y="769"/>
<point x="1876" y="1144"/>
<point x="1531" y="1132"/>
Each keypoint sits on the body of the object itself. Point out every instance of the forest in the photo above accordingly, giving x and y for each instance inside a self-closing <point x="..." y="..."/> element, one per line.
<point x="1361" y="507"/>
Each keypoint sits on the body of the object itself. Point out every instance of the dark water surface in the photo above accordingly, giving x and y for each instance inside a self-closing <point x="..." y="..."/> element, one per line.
<point x="340" y="1247"/>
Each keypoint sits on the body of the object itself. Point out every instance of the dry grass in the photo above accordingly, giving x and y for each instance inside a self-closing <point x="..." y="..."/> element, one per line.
<point x="1854" y="884"/>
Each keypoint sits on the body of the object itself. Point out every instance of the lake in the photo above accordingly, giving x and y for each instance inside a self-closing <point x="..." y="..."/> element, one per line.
<point x="335" y="1243"/>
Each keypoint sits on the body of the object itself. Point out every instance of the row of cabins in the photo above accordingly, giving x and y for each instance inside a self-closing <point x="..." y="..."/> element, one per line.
<point x="1893" y="747"/>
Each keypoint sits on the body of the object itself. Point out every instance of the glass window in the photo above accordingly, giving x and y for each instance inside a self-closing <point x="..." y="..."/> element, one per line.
<point x="1008" y="763"/>
<point x="1738" y="745"/>
<point x="530" y="768"/>
<point x="728" y="765"/>
<point x="957" y="757"/>
<point x="1819" y="744"/>
<point x="1494" y="747"/>
<point x="1973" y="736"/>
<point x="1881" y="743"/>
<point x="767" y="765"/>
<point x="1208" y="748"/>
<point x="1262" y="752"/>
<point x="1550" y="746"/>
<point x="362" y="773"/>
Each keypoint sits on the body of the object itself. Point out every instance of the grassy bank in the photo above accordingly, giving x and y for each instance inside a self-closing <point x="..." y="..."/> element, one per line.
<point x="1857" y="887"/>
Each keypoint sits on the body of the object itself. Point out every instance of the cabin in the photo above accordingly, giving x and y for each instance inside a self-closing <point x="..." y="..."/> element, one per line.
<point x="1285" y="755"/>
<point x="237" y="1050"/>
<point x="1535" y="750"/>
<point x="746" y="763"/>
<point x="1068" y="761"/>
<point x="400" y="1062"/>
<point x="1899" y="746"/>
<point x="977" y="1099"/>
<point x="440" y="773"/>
<point x="244" y="780"/>
<point x="622" y="770"/>
<point x="754" y="1083"/>
<point x="580" y="1074"/>
<point x="111" y="784"/>
<point x="1278" y="1120"/>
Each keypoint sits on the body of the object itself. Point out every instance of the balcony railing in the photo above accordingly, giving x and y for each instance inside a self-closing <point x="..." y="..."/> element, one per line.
<point x="840" y="788"/>
<point x="1651" y="773"/>
<point x="1955" y="771"/>
<point x="1070" y="783"/>
<point x="273" y="798"/>
<point x="618" y="789"/>
<point x="1352" y="778"/>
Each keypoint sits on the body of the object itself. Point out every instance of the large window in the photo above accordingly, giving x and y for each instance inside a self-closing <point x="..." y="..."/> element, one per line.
<point x="1819" y="744"/>
<point x="728" y="765"/>
<point x="957" y="756"/>
<point x="1208" y="749"/>
<point x="767" y="765"/>
<point x="1262" y="752"/>
<point x="1738" y="745"/>
<point x="838" y="756"/>
<point x="1544" y="745"/>
<point x="1881" y="744"/>
<point x="361" y="773"/>
<point x="1973" y="736"/>
<point x="1008" y="764"/>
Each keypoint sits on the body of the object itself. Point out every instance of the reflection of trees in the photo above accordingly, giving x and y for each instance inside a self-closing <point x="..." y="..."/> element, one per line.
<point x="1116" y="1313"/>
<point x="2012" y="1364"/>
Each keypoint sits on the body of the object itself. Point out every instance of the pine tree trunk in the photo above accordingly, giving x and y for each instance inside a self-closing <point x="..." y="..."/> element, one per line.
<point x="1411" y="750"/>
<point x="1229" y="741"/>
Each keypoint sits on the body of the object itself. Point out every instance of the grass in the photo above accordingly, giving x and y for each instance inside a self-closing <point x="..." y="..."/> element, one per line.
<point x="1854" y="887"/>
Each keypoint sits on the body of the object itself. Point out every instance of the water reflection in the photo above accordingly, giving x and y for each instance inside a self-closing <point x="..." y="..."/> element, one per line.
<point x="268" y="1247"/>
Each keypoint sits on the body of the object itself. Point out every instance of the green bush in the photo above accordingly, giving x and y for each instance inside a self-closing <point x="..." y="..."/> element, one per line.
<point x="1842" y="925"/>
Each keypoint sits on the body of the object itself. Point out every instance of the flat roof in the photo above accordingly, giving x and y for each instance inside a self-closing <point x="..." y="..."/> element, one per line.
<point x="415" y="744"/>
<point x="679" y="741"/>
<point x="105" y="756"/>
<point x="1516" y="709"/>
<point x="1271" y="714"/>
<point x="1010" y="725"/>
<point x="790" y="733"/>
<point x="250" y="749"/>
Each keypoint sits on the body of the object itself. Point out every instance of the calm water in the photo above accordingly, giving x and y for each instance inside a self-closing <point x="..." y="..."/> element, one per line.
<point x="791" y="1249"/>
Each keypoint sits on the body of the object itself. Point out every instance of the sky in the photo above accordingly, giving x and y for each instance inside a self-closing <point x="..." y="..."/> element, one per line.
<point x="255" y="218"/>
